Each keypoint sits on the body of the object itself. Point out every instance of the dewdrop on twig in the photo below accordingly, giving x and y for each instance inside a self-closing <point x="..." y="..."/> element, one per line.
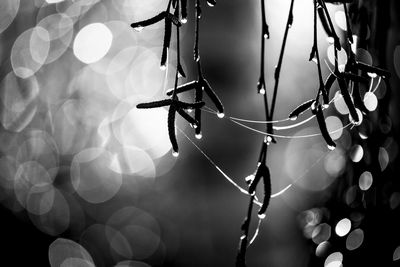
<point x="261" y="216"/>
<point x="269" y="139"/>
<point x="199" y="136"/>
<point x="360" y="118"/>
<point x="138" y="28"/>
<point x="175" y="154"/>
<point x="300" y="109"/>
<point x="220" y="115"/>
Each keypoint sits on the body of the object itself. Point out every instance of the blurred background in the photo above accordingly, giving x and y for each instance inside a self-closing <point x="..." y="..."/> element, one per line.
<point x="86" y="179"/>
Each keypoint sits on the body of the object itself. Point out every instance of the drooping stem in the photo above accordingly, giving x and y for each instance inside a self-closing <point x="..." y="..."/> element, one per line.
<point x="262" y="83"/>
<point x="178" y="53"/>
<point x="316" y="51"/>
<point x="280" y="60"/>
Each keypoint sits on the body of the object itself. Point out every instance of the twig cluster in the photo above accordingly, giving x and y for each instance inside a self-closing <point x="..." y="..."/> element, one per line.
<point x="348" y="78"/>
<point x="177" y="18"/>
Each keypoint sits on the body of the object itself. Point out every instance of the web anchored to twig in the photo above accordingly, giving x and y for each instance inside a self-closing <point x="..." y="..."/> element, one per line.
<point x="348" y="78"/>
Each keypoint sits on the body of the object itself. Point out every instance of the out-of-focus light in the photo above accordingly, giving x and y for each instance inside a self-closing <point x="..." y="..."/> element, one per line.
<point x="132" y="264"/>
<point x="92" y="43"/>
<point x="55" y="221"/>
<point x="137" y="233"/>
<point x="365" y="181"/>
<point x="342" y="55"/>
<point x="340" y="19"/>
<point x="75" y="262"/>
<point x="370" y="101"/>
<point x="355" y="239"/>
<point x="364" y="56"/>
<point x="340" y="105"/>
<point x="133" y="161"/>
<point x="394" y="200"/>
<point x="334" y="260"/>
<point x="30" y="52"/>
<point x="60" y="29"/>
<point x="9" y="10"/>
<point x="144" y="129"/>
<point x="321" y="233"/>
<point x="28" y="175"/>
<point x="40" y="199"/>
<point x="322" y="249"/>
<point x="335" y="162"/>
<point x="351" y="195"/>
<point x="396" y="254"/>
<point x="343" y="227"/>
<point x="356" y="153"/>
<point x="396" y="60"/>
<point x="92" y="176"/>
<point x="334" y="126"/>
<point x="62" y="249"/>
<point x="54" y="1"/>
<point x="383" y="158"/>
<point x="18" y="97"/>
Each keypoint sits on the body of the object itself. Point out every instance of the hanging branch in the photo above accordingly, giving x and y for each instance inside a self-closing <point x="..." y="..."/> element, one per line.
<point x="279" y="66"/>
<point x="175" y="105"/>
<point x="201" y="84"/>
<point x="169" y="19"/>
<point x="262" y="170"/>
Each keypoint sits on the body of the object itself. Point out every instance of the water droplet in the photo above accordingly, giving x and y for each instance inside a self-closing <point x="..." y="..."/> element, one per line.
<point x="249" y="178"/>
<point x="138" y="28"/>
<point x="331" y="147"/>
<point x="163" y="67"/>
<point x="261" y="91"/>
<point x="183" y="20"/>
<point x="266" y="36"/>
<point x="372" y="75"/>
<point x="269" y="139"/>
<point x="189" y="110"/>
<point x="315" y="60"/>
<point x="293" y="118"/>
<point x="175" y="154"/>
<point x="360" y="118"/>
<point x="220" y="115"/>
<point x="261" y="216"/>
<point x="199" y="136"/>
